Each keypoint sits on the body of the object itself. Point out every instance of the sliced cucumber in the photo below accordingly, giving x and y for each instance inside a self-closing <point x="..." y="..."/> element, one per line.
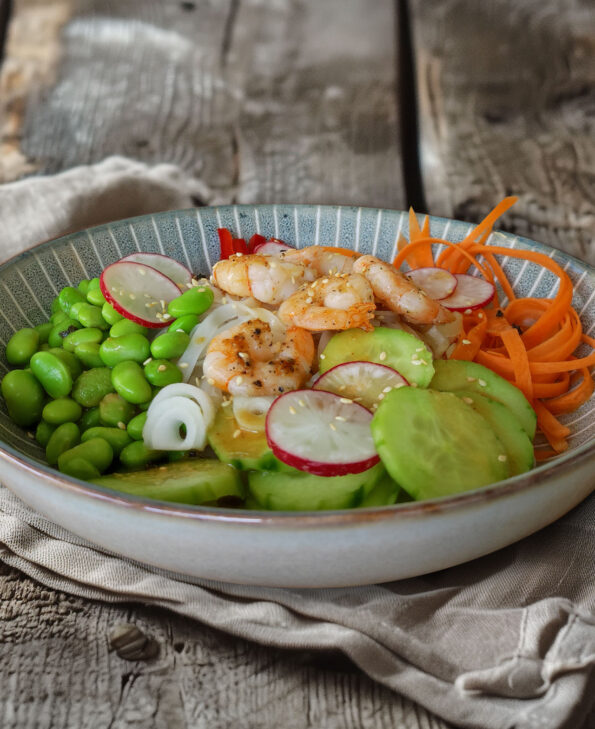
<point x="391" y="347"/>
<point x="305" y="492"/>
<point x="193" y="481"/>
<point x="385" y="493"/>
<point x="518" y="445"/>
<point x="452" y="375"/>
<point x="434" y="444"/>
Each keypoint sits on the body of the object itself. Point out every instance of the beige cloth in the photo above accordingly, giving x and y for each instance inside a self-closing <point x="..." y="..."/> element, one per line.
<point x="505" y="641"/>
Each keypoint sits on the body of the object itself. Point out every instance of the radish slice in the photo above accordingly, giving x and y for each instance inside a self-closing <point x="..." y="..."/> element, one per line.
<point x="471" y="293"/>
<point x="321" y="433"/>
<point x="272" y="247"/>
<point x="178" y="273"/>
<point x="365" y="382"/>
<point x="138" y="292"/>
<point x="436" y="282"/>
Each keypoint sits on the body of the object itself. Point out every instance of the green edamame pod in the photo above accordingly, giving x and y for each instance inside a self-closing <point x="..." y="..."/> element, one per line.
<point x="62" y="410"/>
<point x="94" y="283"/>
<point x="22" y="346"/>
<point x="91" y="386"/>
<point x="65" y="437"/>
<point x="194" y="301"/>
<point x="170" y="345"/>
<point x="136" y="425"/>
<point x="89" y="419"/>
<point x="96" y="450"/>
<point x="136" y="455"/>
<point x="110" y="314"/>
<point x="60" y="331"/>
<point x="83" y="286"/>
<point x="90" y="316"/>
<point x="91" y="334"/>
<point x="52" y="373"/>
<point x="186" y="323"/>
<point x="69" y="296"/>
<point x="113" y="410"/>
<point x="126" y="326"/>
<point x="129" y="381"/>
<point x="74" y="366"/>
<point x="162" y="372"/>
<point x="80" y="468"/>
<point x="129" y="347"/>
<point x="24" y="397"/>
<point x="58" y="317"/>
<point x="44" y="331"/>
<point x="88" y="354"/>
<point x="116" y="437"/>
<point x="43" y="433"/>
<point x="95" y="297"/>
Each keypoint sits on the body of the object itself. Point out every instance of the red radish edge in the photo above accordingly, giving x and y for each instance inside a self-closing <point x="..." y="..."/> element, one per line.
<point x="471" y="293"/>
<point x="109" y="297"/>
<point x="438" y="283"/>
<point x="272" y="246"/>
<point x="358" y="362"/>
<point x="145" y="258"/>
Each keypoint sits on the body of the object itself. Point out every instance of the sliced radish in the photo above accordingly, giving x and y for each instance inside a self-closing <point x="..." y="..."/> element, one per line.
<point x="436" y="282"/>
<point x="365" y="382"/>
<point x="471" y="293"/>
<point x="321" y="433"/>
<point x="178" y="273"/>
<point x="271" y="247"/>
<point x="138" y="292"/>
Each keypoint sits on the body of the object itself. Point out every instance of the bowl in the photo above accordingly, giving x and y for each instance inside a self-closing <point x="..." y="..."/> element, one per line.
<point x="283" y="549"/>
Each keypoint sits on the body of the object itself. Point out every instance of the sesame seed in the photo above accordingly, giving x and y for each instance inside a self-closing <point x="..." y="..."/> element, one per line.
<point x="167" y="316"/>
<point x="30" y="435"/>
<point x="162" y="302"/>
<point x="239" y="255"/>
<point x="332" y="427"/>
<point x="142" y="272"/>
<point x="346" y="400"/>
<point x="471" y="379"/>
<point x="467" y="311"/>
<point x="292" y="410"/>
<point x="466" y="341"/>
<point x="146" y="362"/>
<point x="121" y="425"/>
<point x="325" y="280"/>
<point x="237" y="433"/>
<point x="468" y="400"/>
<point x="502" y="458"/>
<point x="309" y="300"/>
<point x="400" y="384"/>
<point x="199" y="340"/>
<point x="387" y="389"/>
<point x="482" y="383"/>
<point x="342" y="387"/>
<point x="239" y="380"/>
<point x="273" y="264"/>
<point x="147" y="296"/>
<point x="420" y="349"/>
<point x="201" y="288"/>
<point x="340" y="418"/>
<point x="226" y="403"/>
<point x="180" y="330"/>
<point x="197" y="380"/>
<point x="382" y="356"/>
<point x="323" y="356"/>
<point x="161" y="368"/>
<point x="163" y="468"/>
<point x="243" y="355"/>
<point x="301" y="403"/>
<point x="480" y="315"/>
<point x="211" y="381"/>
<point x="293" y="279"/>
<point x="183" y="365"/>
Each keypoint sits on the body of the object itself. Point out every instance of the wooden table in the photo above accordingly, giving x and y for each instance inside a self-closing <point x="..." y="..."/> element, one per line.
<point x="444" y="104"/>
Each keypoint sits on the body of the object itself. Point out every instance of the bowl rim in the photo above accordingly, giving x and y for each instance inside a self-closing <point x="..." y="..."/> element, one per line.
<point x="344" y="517"/>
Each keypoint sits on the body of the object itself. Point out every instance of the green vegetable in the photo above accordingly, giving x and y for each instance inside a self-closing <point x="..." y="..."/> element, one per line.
<point x="62" y="410"/>
<point x="136" y="425"/>
<point x="52" y="373"/>
<point x="65" y="437"/>
<point x="133" y="347"/>
<point x="194" y="301"/>
<point x="186" y="323"/>
<point x="110" y="315"/>
<point x="44" y="432"/>
<point x="82" y="336"/>
<point x="68" y="358"/>
<point x="44" y="331"/>
<point x="61" y="330"/>
<point x="95" y="297"/>
<point x="92" y="385"/>
<point x="126" y="326"/>
<point x="88" y="354"/>
<point x="83" y="286"/>
<point x="96" y="451"/>
<point x="89" y="419"/>
<point x="116" y="437"/>
<point x="170" y="345"/>
<point x="113" y="410"/>
<point x="80" y="468"/>
<point x="161" y="372"/>
<point x="129" y="381"/>
<point x="136" y="455"/>
<point x="22" y="346"/>
<point x="68" y="297"/>
<point x="90" y="316"/>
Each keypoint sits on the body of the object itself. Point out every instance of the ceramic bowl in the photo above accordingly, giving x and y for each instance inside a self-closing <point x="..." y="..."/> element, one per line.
<point x="314" y="549"/>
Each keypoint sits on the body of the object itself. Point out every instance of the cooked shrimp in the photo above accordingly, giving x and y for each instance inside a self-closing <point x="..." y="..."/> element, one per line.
<point x="248" y="360"/>
<point x="266" y="278"/>
<point x="400" y="294"/>
<point x="320" y="260"/>
<point x="336" y="302"/>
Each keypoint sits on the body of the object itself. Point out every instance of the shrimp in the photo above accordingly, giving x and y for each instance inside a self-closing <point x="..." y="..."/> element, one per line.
<point x="266" y="278"/>
<point x="320" y="260"/>
<point x="248" y="360"/>
<point x="399" y="293"/>
<point x="336" y="302"/>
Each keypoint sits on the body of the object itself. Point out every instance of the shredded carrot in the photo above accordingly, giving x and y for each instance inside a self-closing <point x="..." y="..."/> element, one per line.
<point x="529" y="341"/>
<point x="342" y="251"/>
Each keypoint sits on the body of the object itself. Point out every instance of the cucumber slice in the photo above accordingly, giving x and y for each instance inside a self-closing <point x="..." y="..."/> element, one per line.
<point x="434" y="444"/>
<point x="247" y="451"/>
<point x="299" y="491"/>
<point x="194" y="481"/>
<point x="391" y="347"/>
<point x="516" y="442"/>
<point x="452" y="374"/>
<point x="385" y="493"/>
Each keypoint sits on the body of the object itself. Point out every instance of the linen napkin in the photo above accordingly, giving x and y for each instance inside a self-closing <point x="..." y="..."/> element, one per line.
<point x="505" y="641"/>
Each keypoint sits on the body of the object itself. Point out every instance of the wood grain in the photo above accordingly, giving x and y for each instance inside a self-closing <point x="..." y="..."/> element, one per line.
<point x="507" y="106"/>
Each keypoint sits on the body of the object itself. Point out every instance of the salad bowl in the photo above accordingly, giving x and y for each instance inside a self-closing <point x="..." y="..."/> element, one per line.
<point x="285" y="549"/>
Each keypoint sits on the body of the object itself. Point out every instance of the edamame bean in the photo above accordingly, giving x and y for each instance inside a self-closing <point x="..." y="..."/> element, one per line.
<point x="170" y="345"/>
<point x="65" y="437"/>
<point x="43" y="433"/>
<point x="92" y="385"/>
<point x="90" y="316"/>
<point x="174" y="456"/>
<point x="134" y="347"/>
<point x="194" y="301"/>
<point x="69" y="296"/>
<point x="60" y="331"/>
<point x="55" y="306"/>
<point x="89" y="419"/>
<point x="129" y="381"/>
<point x="110" y="314"/>
<point x="80" y="468"/>
<point x="113" y="410"/>
<point x="136" y="455"/>
<point x="44" y="331"/>
<point x="83" y="286"/>
<point x="58" y="317"/>
<point x="95" y="297"/>
<point x="126" y="326"/>
<point x="96" y="450"/>
<point x="161" y="372"/>
<point x="94" y="283"/>
<point x="116" y="437"/>
<point x="22" y="346"/>
<point x="88" y="353"/>
<point x="74" y="366"/>
<point x="62" y="410"/>
<point x="186" y="323"/>
<point x="136" y="425"/>
<point x="52" y="373"/>
<point x="91" y="334"/>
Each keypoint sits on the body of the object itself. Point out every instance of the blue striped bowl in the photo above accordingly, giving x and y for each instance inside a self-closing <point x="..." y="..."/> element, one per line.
<point x="236" y="545"/>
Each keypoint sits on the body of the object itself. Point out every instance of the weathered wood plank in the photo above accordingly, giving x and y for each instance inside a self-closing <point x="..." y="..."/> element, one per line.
<point x="507" y="105"/>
